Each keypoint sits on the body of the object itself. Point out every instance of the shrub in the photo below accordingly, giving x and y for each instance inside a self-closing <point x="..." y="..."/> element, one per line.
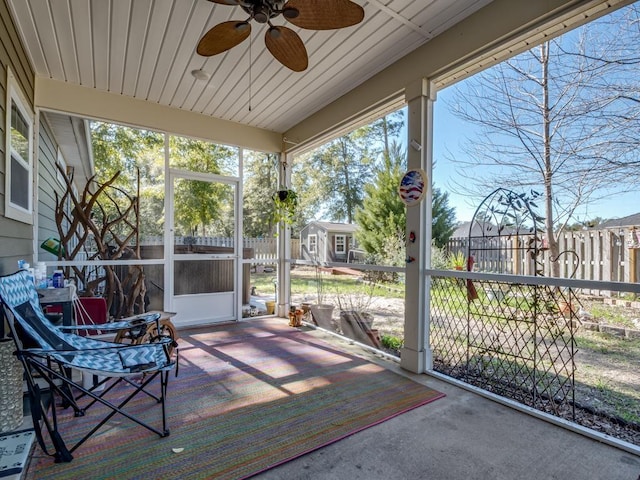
<point x="391" y="342"/>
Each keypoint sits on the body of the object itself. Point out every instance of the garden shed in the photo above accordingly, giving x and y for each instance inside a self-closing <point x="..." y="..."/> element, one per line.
<point x="327" y="241"/>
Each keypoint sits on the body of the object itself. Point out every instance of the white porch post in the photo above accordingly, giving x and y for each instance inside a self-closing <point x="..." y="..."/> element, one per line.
<point x="284" y="245"/>
<point x="416" y="354"/>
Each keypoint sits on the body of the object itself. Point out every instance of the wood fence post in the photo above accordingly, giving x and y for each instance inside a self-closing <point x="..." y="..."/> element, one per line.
<point x="515" y="248"/>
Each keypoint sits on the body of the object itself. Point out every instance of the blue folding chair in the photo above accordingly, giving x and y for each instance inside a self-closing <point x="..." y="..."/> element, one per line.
<point x="52" y="352"/>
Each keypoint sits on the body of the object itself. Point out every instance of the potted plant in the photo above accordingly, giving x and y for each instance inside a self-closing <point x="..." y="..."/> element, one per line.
<point x="355" y="320"/>
<point x="285" y="203"/>
<point x="354" y="306"/>
<point x="321" y="313"/>
<point x="458" y="261"/>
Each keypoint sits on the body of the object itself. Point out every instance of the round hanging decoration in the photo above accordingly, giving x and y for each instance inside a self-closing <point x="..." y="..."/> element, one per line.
<point x="412" y="187"/>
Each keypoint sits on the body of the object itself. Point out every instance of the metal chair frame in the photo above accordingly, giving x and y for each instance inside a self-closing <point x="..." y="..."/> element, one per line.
<point x="51" y="353"/>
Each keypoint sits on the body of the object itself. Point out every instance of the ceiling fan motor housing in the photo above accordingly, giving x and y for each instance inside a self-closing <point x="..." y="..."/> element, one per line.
<point x="264" y="10"/>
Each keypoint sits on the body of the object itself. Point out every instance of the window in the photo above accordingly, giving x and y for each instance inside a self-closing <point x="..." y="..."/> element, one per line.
<point x="19" y="154"/>
<point x="313" y="243"/>
<point x="341" y="244"/>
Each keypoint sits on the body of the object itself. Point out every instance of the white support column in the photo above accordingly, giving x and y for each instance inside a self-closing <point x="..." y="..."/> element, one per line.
<point x="284" y="245"/>
<point x="239" y="237"/>
<point x="416" y="354"/>
<point x="168" y="238"/>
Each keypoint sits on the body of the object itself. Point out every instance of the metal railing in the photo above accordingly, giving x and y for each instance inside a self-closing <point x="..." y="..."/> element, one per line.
<point x="529" y="339"/>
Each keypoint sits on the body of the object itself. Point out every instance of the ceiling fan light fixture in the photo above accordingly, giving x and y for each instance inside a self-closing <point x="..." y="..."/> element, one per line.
<point x="283" y="43"/>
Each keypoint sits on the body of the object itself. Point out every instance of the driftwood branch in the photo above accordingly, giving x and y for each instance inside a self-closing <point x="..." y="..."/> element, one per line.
<point x="98" y="225"/>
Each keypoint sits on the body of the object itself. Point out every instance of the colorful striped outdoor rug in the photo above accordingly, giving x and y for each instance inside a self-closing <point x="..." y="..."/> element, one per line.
<point x="248" y="397"/>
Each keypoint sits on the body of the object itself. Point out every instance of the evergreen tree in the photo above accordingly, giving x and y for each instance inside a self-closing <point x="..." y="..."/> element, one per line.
<point x="382" y="214"/>
<point x="340" y="168"/>
<point x="387" y="128"/>
<point x="382" y="217"/>
<point x="330" y="179"/>
<point x="443" y="218"/>
<point x="260" y="182"/>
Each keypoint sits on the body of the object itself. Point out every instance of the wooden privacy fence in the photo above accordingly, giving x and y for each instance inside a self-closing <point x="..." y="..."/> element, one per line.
<point x="600" y="255"/>
<point x="263" y="248"/>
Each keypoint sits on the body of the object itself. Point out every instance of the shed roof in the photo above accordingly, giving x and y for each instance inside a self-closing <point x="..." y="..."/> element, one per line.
<point x="336" y="226"/>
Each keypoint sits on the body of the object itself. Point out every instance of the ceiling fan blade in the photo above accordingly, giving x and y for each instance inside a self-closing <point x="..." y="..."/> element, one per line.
<point x="225" y="2"/>
<point x="223" y="37"/>
<point x="324" y="14"/>
<point x="287" y="47"/>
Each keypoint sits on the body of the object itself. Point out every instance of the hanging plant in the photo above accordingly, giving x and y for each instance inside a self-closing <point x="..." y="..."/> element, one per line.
<point x="285" y="202"/>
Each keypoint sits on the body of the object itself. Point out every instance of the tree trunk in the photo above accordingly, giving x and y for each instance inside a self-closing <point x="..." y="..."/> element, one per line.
<point x="552" y="243"/>
<point x="349" y="206"/>
<point x="385" y="132"/>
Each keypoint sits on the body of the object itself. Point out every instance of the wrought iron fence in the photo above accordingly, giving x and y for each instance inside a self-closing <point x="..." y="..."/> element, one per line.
<point x="512" y="339"/>
<point x="526" y="338"/>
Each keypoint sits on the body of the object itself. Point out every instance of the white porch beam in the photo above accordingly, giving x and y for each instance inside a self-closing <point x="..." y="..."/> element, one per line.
<point x="92" y="103"/>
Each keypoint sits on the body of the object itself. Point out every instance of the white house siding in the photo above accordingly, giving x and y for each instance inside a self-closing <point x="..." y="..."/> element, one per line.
<point x="16" y="238"/>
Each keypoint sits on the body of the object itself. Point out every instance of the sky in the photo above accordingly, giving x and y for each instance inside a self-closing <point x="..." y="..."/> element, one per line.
<point x="447" y="145"/>
<point x="450" y="132"/>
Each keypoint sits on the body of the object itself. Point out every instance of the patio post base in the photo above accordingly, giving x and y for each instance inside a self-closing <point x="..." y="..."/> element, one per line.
<point x="416" y="361"/>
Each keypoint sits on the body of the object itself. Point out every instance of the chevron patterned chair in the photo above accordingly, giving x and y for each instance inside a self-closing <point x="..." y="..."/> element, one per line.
<point x="54" y="353"/>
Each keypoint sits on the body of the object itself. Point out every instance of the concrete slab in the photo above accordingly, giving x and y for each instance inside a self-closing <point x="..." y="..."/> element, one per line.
<point x="462" y="436"/>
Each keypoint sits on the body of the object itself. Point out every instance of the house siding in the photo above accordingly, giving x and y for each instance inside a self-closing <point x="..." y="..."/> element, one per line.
<point x="16" y="238"/>
<point x="313" y="229"/>
<point x="48" y="188"/>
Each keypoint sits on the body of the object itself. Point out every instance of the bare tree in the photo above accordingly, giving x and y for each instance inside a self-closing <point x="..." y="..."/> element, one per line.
<point x="562" y="118"/>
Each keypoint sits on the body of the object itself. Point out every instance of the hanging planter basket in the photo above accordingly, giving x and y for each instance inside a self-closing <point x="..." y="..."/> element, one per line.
<point x="285" y="205"/>
<point x="282" y="195"/>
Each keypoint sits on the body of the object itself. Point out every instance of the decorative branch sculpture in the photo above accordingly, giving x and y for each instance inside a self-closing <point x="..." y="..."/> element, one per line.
<point x="101" y="224"/>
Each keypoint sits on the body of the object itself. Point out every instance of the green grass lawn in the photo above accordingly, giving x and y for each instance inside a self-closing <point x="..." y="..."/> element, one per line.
<point x="607" y="365"/>
<point x="304" y="282"/>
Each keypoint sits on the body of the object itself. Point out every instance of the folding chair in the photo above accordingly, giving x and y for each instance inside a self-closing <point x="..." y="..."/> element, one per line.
<point x="51" y="353"/>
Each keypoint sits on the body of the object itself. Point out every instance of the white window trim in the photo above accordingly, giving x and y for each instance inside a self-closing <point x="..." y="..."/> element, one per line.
<point x="15" y="95"/>
<point x="344" y="244"/>
<point x="315" y="243"/>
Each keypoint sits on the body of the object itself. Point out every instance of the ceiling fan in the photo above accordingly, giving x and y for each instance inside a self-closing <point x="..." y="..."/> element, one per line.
<point x="283" y="43"/>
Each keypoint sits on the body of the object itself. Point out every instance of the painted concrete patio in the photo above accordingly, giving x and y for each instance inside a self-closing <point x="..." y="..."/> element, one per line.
<point x="462" y="436"/>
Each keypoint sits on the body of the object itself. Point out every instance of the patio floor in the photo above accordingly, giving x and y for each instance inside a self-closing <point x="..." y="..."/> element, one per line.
<point x="462" y="436"/>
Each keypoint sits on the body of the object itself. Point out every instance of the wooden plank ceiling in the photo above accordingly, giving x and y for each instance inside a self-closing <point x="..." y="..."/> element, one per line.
<point x="145" y="49"/>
